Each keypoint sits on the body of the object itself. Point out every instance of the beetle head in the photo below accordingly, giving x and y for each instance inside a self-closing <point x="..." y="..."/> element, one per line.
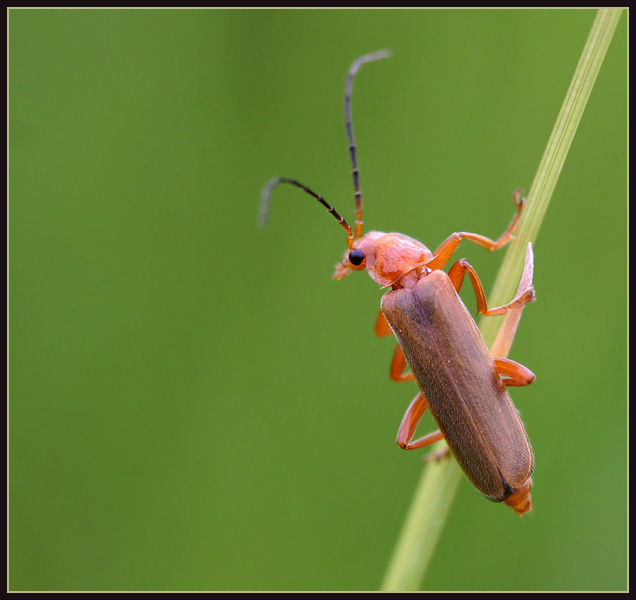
<point x="387" y="257"/>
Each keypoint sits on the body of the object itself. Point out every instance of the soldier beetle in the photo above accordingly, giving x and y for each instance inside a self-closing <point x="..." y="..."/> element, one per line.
<point x="459" y="381"/>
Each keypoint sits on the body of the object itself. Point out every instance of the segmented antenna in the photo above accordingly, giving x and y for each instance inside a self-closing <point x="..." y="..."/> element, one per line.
<point x="267" y="194"/>
<point x="349" y="126"/>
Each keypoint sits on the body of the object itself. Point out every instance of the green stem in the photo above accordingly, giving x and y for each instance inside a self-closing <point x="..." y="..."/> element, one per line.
<point x="553" y="159"/>
<point x="439" y="482"/>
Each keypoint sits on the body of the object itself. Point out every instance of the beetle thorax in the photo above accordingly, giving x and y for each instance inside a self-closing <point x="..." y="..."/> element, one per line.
<point x="394" y="258"/>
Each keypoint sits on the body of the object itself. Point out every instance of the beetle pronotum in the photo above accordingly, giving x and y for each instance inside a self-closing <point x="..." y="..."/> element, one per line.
<point x="459" y="381"/>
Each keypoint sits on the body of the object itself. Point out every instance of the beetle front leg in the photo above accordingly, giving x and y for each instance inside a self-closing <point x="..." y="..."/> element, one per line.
<point x="457" y="273"/>
<point x="409" y="425"/>
<point x="398" y="364"/>
<point x="442" y="255"/>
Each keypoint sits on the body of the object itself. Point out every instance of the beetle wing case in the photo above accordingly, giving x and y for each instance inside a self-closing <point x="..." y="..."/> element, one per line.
<point x="464" y="391"/>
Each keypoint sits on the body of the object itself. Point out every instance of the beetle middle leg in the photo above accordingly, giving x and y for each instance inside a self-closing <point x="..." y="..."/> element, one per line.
<point x="398" y="364"/>
<point x="382" y="327"/>
<point x="457" y="273"/>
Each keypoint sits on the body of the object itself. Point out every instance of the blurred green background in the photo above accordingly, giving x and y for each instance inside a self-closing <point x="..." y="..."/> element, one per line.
<point x="194" y="403"/>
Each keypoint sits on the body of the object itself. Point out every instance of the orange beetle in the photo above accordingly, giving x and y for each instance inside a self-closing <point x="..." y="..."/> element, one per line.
<point x="459" y="381"/>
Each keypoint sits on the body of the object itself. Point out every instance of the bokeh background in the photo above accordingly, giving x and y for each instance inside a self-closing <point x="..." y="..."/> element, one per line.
<point x="194" y="403"/>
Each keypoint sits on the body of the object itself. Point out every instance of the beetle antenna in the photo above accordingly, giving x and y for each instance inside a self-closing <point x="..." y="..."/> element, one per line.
<point x="349" y="126"/>
<point x="267" y="194"/>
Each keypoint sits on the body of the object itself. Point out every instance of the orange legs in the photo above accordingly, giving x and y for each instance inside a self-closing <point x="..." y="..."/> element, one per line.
<point x="445" y="251"/>
<point x="457" y="273"/>
<point x="409" y="425"/>
<point x="513" y="373"/>
<point x="418" y="406"/>
<point x="398" y="364"/>
<point x="382" y="327"/>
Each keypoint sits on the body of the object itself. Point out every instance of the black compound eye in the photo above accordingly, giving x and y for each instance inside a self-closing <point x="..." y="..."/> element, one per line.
<point x="356" y="257"/>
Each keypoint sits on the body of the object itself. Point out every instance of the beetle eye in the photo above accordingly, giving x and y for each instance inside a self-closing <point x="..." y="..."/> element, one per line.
<point x="356" y="256"/>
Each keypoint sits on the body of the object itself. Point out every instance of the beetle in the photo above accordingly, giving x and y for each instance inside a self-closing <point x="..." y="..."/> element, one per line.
<point x="459" y="381"/>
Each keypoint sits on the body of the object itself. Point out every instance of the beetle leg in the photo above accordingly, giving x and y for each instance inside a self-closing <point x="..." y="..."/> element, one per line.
<point x="382" y="327"/>
<point x="409" y="425"/>
<point x="442" y="255"/>
<point x="457" y="273"/>
<point x="513" y="372"/>
<point x="398" y="364"/>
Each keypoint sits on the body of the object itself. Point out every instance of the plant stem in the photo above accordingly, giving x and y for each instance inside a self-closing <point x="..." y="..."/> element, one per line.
<point x="553" y="159"/>
<point x="439" y="482"/>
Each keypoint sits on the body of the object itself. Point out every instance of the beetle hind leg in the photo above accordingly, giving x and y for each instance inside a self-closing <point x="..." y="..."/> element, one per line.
<point x="409" y="425"/>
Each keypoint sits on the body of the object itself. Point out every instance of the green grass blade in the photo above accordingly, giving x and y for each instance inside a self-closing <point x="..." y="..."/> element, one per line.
<point x="553" y="159"/>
